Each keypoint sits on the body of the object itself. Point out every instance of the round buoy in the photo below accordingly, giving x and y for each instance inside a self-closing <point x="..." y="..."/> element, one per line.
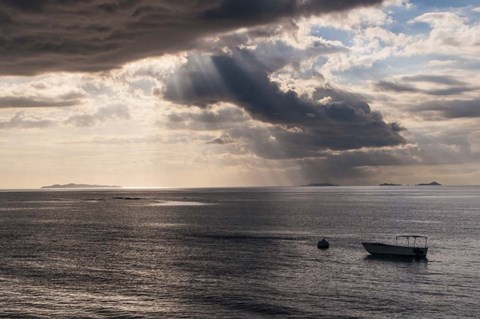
<point x="323" y="244"/>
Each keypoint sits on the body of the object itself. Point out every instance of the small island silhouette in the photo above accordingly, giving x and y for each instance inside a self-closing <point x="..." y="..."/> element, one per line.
<point x="73" y="185"/>
<point x="389" y="184"/>
<point x="429" y="184"/>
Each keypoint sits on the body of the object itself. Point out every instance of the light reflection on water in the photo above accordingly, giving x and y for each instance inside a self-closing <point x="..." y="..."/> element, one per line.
<point x="177" y="203"/>
<point x="237" y="253"/>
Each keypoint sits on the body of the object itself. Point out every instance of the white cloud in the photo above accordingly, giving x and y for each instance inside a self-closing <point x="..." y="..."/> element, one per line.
<point x="101" y="114"/>
<point x="440" y="19"/>
<point x="21" y="121"/>
<point x="369" y="45"/>
<point x="350" y="21"/>
<point x="450" y="34"/>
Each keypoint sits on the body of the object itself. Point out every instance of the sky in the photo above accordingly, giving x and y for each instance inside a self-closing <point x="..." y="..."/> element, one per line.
<point x="215" y="93"/>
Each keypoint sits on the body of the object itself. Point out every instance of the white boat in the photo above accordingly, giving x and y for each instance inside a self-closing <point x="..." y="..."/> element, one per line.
<point x="410" y="250"/>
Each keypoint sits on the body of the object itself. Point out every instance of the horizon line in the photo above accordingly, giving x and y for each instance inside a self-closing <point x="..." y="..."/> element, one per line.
<point x="213" y="187"/>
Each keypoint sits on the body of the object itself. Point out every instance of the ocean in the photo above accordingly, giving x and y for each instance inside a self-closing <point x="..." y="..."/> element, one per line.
<point x="237" y="253"/>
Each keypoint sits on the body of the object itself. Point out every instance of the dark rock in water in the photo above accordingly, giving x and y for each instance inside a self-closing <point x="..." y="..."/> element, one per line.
<point x="127" y="198"/>
<point x="323" y="244"/>
<point x="429" y="184"/>
<point x="320" y="185"/>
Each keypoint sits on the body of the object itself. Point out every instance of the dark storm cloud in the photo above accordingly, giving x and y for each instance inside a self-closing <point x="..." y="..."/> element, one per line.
<point x="266" y="10"/>
<point x="279" y="142"/>
<point x="303" y="126"/>
<point x="95" y="35"/>
<point x="450" y="109"/>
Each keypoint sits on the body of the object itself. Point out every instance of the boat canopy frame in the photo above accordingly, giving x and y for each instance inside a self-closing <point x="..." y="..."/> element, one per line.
<point x="414" y="239"/>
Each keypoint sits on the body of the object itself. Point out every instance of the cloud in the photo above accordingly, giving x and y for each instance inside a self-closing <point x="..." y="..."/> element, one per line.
<point x="20" y="120"/>
<point x="221" y="140"/>
<point x="357" y="167"/>
<point x="450" y="108"/>
<point x="402" y="87"/>
<point x="30" y="102"/>
<point x="158" y="139"/>
<point x="274" y="55"/>
<point x="395" y="87"/>
<point x="439" y="79"/>
<point x="98" y="35"/>
<point x="102" y="114"/>
<point x="450" y="34"/>
<point x="266" y="10"/>
<point x="439" y="19"/>
<point x="300" y="126"/>
<point x="219" y="117"/>
<point x="425" y="84"/>
<point x="40" y="92"/>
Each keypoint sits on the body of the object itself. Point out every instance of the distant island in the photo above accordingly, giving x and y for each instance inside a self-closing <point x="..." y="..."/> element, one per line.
<point x="321" y="184"/>
<point x="73" y="185"/>
<point x="389" y="184"/>
<point x="429" y="184"/>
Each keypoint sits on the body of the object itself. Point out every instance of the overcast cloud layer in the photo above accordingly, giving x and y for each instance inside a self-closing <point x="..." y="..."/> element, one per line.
<point x="239" y="92"/>
<point x="98" y="35"/>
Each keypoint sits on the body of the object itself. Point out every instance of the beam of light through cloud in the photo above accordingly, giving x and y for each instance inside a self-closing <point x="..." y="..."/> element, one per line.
<point x="345" y="123"/>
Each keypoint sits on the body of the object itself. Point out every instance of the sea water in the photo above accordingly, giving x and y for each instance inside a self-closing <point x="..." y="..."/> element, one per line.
<point x="237" y="253"/>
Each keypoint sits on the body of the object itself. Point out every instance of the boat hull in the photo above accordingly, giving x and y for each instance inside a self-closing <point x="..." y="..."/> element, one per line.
<point x="394" y="250"/>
